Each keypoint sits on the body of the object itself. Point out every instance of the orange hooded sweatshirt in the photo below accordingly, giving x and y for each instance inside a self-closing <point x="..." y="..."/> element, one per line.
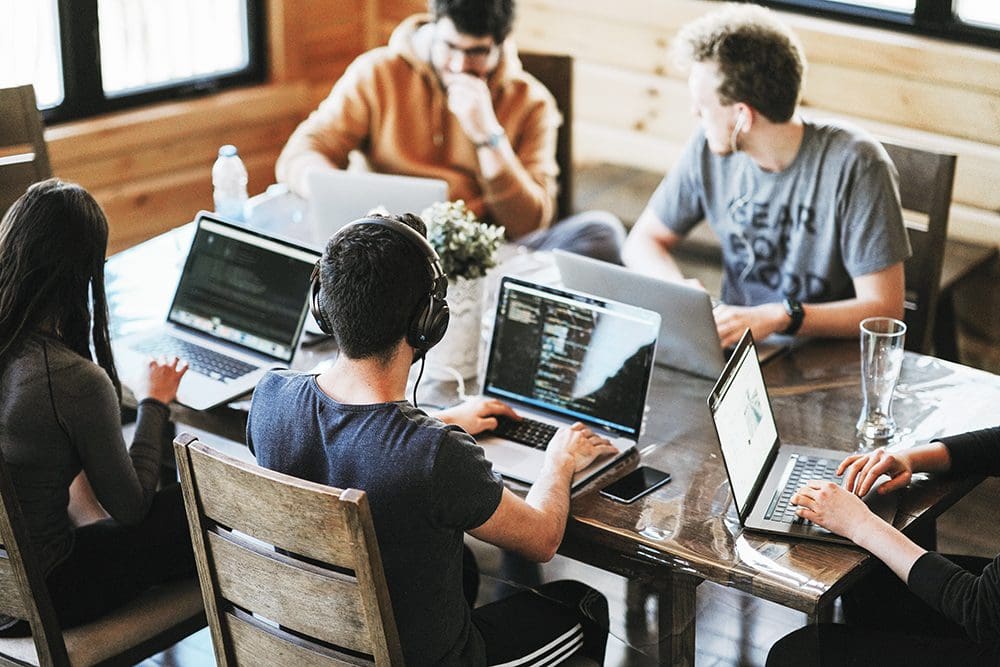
<point x="390" y="105"/>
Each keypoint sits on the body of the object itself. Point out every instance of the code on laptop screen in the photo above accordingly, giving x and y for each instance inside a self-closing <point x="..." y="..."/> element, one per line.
<point x="244" y="289"/>
<point x="572" y="355"/>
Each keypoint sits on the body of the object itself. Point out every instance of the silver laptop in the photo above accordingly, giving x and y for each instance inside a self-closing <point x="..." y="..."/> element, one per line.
<point x="560" y="357"/>
<point x="763" y="472"/>
<point x="689" y="339"/>
<point x="337" y="197"/>
<point x="238" y="311"/>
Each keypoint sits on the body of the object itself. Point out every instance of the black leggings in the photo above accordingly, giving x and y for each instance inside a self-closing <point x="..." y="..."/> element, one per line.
<point x="887" y="625"/>
<point x="112" y="564"/>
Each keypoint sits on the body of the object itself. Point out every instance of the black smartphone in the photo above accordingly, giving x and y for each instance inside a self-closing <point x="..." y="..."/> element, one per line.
<point x="636" y="484"/>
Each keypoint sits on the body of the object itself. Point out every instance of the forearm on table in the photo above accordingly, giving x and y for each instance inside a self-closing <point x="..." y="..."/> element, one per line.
<point x="842" y="318"/>
<point x="888" y="545"/>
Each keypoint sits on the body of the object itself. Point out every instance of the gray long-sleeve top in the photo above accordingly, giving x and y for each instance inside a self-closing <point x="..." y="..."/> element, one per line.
<point x="971" y="601"/>
<point x="59" y="415"/>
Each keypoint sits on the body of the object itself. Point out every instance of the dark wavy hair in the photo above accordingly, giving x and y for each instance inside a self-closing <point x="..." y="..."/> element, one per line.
<point x="53" y="241"/>
<point x="477" y="17"/>
<point x="371" y="281"/>
<point x="760" y="60"/>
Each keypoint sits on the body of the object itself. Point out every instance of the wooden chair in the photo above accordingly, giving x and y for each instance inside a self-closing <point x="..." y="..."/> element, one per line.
<point x="925" y="186"/>
<point x="24" y="158"/>
<point x="556" y="73"/>
<point x="290" y="570"/>
<point x="152" y="623"/>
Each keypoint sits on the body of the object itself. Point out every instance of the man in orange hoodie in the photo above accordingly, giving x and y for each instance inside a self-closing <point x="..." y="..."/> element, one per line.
<point x="447" y="98"/>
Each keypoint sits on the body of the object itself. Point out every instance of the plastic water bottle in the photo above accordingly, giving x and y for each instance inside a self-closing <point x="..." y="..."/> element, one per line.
<point x="229" y="180"/>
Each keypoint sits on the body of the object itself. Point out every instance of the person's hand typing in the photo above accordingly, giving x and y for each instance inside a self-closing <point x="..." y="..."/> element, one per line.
<point x="834" y="508"/>
<point x="161" y="380"/>
<point x="762" y="320"/>
<point x="861" y="471"/>
<point x="477" y="414"/>
<point x="579" y="445"/>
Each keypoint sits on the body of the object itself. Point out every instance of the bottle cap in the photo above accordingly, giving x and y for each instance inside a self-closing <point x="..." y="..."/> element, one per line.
<point x="227" y="151"/>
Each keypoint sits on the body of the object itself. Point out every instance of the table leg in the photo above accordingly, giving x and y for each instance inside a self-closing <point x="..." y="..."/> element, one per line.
<point x="676" y="609"/>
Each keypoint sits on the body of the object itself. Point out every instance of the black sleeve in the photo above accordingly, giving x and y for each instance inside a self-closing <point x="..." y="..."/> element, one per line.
<point x="976" y="452"/>
<point x="467" y="490"/>
<point x="972" y="602"/>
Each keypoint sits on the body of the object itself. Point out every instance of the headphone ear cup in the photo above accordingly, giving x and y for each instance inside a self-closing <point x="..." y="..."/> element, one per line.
<point x="315" y="307"/>
<point x="429" y="324"/>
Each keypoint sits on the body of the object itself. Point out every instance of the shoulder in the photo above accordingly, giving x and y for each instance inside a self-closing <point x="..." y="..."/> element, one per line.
<point x="851" y="142"/>
<point x="279" y="385"/>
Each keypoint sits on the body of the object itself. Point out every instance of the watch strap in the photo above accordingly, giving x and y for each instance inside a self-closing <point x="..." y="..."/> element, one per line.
<point x="795" y="311"/>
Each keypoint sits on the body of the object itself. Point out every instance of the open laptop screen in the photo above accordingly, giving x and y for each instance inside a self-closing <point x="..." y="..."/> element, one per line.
<point x="744" y="422"/>
<point x="572" y="355"/>
<point x="243" y="288"/>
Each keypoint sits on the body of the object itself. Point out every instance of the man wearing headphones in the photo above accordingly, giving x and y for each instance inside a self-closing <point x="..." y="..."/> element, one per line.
<point x="448" y="98"/>
<point x="379" y="290"/>
<point x="807" y="213"/>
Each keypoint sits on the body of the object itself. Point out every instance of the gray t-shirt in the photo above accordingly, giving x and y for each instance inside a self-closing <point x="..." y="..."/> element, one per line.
<point x="427" y="483"/>
<point x="59" y="415"/>
<point x="832" y="215"/>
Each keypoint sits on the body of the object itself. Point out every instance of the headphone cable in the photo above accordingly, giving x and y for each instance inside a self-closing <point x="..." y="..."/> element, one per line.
<point x="423" y="360"/>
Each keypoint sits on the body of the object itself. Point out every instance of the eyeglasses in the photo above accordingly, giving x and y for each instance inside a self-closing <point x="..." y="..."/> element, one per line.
<point x="474" y="55"/>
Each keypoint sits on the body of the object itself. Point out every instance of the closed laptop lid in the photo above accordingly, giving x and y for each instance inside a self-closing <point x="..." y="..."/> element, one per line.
<point x="244" y="288"/>
<point x="744" y="423"/>
<point x="572" y="355"/>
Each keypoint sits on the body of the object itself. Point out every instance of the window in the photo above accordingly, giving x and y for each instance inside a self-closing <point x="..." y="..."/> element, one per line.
<point x="973" y="21"/>
<point x="85" y="57"/>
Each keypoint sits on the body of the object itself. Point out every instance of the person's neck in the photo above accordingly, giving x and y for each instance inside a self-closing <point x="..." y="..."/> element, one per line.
<point x="773" y="146"/>
<point x="367" y="381"/>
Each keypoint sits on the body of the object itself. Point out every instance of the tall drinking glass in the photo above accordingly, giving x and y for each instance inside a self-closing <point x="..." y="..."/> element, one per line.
<point x="881" y="359"/>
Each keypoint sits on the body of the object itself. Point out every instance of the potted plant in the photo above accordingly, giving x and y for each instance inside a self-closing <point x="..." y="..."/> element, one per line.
<point x="467" y="248"/>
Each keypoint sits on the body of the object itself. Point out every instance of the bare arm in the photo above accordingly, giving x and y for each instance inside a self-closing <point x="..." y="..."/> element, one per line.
<point x="876" y="294"/>
<point x="648" y="246"/>
<point x="534" y="526"/>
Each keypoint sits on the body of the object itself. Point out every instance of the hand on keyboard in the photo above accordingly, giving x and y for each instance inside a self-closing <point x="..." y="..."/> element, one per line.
<point x="162" y="379"/>
<point x="477" y="414"/>
<point x="833" y="507"/>
<point x="581" y="445"/>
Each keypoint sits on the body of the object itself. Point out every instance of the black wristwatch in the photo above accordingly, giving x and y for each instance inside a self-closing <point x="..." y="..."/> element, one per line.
<point x="795" y="311"/>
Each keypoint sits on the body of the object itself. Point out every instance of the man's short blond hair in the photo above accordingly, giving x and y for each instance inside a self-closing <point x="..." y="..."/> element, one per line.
<point x="760" y="60"/>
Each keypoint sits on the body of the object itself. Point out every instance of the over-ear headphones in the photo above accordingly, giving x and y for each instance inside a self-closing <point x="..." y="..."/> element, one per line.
<point x="430" y="318"/>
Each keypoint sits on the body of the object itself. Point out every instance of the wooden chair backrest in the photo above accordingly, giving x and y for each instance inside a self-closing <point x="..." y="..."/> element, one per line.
<point x="24" y="158"/>
<point x="556" y="73"/>
<point x="925" y="185"/>
<point x="23" y="593"/>
<point x="290" y="570"/>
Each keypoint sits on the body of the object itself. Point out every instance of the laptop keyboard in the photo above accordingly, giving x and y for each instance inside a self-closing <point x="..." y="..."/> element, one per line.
<point x="804" y="469"/>
<point x="214" y="364"/>
<point x="528" y="432"/>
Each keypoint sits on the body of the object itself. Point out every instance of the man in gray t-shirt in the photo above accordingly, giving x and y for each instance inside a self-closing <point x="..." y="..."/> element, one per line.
<point x="806" y="212"/>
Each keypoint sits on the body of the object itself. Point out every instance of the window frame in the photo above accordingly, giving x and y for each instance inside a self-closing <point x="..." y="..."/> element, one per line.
<point x="932" y="18"/>
<point x="83" y="87"/>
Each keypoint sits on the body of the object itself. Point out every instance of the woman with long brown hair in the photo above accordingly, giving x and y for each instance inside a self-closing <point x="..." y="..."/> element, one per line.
<point x="60" y="416"/>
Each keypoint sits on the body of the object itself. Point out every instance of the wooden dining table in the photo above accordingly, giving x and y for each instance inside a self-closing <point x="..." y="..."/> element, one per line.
<point x="686" y="532"/>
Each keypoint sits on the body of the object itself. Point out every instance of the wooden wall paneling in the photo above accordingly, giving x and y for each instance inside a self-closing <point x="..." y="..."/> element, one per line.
<point x="957" y="112"/>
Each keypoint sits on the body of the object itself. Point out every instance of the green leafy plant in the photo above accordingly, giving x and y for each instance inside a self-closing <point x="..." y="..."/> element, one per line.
<point x="466" y="246"/>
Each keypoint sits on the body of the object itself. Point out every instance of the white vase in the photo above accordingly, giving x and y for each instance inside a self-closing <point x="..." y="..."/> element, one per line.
<point x="458" y="351"/>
